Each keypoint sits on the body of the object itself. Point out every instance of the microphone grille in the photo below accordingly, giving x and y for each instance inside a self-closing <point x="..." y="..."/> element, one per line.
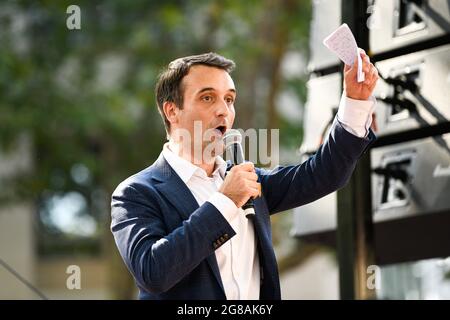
<point x="232" y="136"/>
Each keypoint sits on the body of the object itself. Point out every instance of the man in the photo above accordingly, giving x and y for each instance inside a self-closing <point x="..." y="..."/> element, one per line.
<point x="179" y="225"/>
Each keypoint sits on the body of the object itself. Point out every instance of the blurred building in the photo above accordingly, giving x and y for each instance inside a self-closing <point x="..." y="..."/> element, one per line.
<point x="25" y="273"/>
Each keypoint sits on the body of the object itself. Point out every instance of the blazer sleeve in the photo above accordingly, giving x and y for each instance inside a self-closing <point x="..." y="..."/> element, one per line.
<point x="157" y="258"/>
<point x="328" y="170"/>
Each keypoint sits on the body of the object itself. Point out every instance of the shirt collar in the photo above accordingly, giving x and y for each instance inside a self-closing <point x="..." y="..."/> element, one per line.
<point x="186" y="170"/>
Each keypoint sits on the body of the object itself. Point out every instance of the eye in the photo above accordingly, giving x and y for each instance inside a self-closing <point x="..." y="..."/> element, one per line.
<point x="229" y="100"/>
<point x="207" y="98"/>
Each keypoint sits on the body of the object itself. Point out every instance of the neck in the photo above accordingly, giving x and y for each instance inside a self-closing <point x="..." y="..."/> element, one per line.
<point x="187" y="154"/>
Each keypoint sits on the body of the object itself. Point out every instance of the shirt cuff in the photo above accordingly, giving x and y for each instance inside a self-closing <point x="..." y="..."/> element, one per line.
<point x="356" y="115"/>
<point x="225" y="205"/>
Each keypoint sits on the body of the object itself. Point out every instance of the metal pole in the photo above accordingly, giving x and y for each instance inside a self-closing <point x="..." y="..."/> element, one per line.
<point x="355" y="227"/>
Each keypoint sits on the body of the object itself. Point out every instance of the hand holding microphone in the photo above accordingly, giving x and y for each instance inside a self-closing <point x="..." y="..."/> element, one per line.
<point x="241" y="182"/>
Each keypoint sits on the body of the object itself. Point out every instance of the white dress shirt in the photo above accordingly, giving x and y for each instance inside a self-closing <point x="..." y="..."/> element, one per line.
<point x="238" y="258"/>
<point x="356" y="115"/>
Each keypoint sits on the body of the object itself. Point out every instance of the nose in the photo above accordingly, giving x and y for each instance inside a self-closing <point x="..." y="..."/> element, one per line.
<point x="222" y="109"/>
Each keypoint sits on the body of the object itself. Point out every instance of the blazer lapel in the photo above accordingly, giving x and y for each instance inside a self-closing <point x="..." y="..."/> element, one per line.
<point x="174" y="189"/>
<point x="179" y="195"/>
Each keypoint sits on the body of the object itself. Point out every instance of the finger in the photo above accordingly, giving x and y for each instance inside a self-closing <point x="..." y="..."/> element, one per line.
<point x="252" y="184"/>
<point x="370" y="73"/>
<point x="366" y="65"/>
<point x="247" y="166"/>
<point x="259" y="191"/>
<point x="368" y="77"/>
<point x="372" y="85"/>
<point x="372" y="76"/>
<point x="374" y="73"/>
<point x="254" y="189"/>
<point x="252" y="176"/>
<point x="362" y="53"/>
<point x="365" y="61"/>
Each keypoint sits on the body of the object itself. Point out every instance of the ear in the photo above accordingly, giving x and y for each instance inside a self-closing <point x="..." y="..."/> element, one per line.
<point x="171" y="112"/>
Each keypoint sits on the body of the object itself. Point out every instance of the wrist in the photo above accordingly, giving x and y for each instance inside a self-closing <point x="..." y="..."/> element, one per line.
<point x="355" y="96"/>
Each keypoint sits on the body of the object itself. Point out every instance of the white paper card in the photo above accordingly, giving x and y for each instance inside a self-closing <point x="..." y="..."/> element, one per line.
<point x="343" y="44"/>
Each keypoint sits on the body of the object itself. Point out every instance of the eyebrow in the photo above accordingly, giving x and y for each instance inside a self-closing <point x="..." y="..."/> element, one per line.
<point x="212" y="89"/>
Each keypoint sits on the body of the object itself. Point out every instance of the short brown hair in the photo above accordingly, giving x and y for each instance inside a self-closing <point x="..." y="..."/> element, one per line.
<point x="169" y="89"/>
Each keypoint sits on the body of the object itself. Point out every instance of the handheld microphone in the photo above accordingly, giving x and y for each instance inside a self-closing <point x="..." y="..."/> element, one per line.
<point x="232" y="140"/>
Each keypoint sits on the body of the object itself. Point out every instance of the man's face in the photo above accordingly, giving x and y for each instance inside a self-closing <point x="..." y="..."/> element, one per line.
<point x="208" y="106"/>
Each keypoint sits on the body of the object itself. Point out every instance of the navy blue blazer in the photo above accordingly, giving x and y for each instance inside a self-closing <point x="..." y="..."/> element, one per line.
<point x="167" y="241"/>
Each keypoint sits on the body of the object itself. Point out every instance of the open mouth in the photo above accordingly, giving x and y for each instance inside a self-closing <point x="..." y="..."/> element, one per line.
<point x="221" y="129"/>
